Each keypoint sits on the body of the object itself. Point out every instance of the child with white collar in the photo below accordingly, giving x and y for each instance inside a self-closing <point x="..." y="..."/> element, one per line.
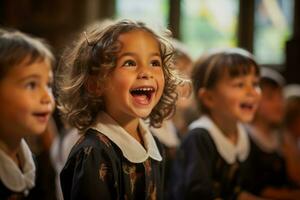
<point x="270" y="167"/>
<point x="216" y="146"/>
<point x="26" y="103"/>
<point x="115" y="78"/>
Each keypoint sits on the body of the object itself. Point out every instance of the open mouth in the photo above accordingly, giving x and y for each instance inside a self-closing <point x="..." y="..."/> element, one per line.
<point x="42" y="116"/>
<point x="247" y="106"/>
<point x="142" y="95"/>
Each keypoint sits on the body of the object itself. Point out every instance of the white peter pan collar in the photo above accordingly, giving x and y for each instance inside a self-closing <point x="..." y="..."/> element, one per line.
<point x="131" y="148"/>
<point x="10" y="174"/>
<point x="266" y="144"/>
<point x="225" y="147"/>
<point x="166" y="134"/>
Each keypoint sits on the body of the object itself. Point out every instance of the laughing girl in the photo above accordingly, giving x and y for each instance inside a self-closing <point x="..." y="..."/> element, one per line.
<point x="210" y="158"/>
<point x="111" y="80"/>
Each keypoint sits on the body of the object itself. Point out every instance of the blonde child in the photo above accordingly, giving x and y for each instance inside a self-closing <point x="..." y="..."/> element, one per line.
<point x="210" y="158"/>
<point x="115" y="78"/>
<point x="26" y="103"/>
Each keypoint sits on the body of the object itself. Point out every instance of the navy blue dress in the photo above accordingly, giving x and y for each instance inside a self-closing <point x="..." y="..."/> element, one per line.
<point x="200" y="172"/>
<point x="264" y="169"/>
<point x="97" y="169"/>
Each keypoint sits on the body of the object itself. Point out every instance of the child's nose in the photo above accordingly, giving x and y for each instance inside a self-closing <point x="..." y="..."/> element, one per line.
<point x="145" y="73"/>
<point x="47" y="96"/>
<point x="253" y="90"/>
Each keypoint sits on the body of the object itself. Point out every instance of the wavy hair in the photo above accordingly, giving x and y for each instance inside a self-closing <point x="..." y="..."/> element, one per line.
<point x="95" y="53"/>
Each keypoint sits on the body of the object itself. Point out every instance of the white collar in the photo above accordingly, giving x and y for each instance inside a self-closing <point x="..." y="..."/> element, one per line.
<point x="226" y="148"/>
<point x="166" y="134"/>
<point x="10" y="174"/>
<point x="268" y="145"/>
<point x="131" y="148"/>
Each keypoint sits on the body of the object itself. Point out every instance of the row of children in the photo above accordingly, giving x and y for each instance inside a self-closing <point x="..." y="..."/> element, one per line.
<point x="114" y="83"/>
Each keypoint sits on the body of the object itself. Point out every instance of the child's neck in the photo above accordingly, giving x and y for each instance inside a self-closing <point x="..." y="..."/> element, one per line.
<point x="228" y="127"/>
<point x="132" y="127"/>
<point x="11" y="148"/>
<point x="263" y="128"/>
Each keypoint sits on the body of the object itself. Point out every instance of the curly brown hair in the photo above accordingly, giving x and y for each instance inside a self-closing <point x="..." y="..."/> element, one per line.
<point x="95" y="53"/>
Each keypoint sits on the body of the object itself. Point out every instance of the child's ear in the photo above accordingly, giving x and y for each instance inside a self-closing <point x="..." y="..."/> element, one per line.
<point x="93" y="86"/>
<point x="206" y="97"/>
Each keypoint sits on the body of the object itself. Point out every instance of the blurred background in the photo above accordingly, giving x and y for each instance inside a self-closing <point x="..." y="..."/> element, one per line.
<point x="267" y="28"/>
<point x="270" y="29"/>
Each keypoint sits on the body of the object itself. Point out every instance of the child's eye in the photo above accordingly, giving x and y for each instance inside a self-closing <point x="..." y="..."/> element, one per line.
<point x="239" y="85"/>
<point x="256" y="84"/>
<point x="156" y="63"/>
<point x="129" y="63"/>
<point x="31" y="85"/>
<point x="50" y="85"/>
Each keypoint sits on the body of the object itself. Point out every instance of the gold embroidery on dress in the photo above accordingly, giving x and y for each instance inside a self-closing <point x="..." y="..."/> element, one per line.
<point x="131" y="171"/>
<point x="103" y="171"/>
<point x="151" y="192"/>
<point x="147" y="166"/>
<point x="87" y="150"/>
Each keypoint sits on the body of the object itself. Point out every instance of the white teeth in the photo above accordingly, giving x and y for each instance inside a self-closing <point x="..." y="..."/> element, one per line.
<point x="143" y="89"/>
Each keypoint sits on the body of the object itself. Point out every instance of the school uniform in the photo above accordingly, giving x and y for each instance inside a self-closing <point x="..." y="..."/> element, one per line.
<point x="15" y="183"/>
<point x="168" y="136"/>
<point x="208" y="164"/>
<point x="266" y="166"/>
<point x="108" y="163"/>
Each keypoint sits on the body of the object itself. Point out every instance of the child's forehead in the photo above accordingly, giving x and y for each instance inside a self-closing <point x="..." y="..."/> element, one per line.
<point x="136" y="33"/>
<point x="28" y="64"/>
<point x="138" y="40"/>
<point x="238" y="73"/>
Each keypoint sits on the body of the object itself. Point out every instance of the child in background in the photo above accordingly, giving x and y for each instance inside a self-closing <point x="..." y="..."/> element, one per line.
<point x="292" y="112"/>
<point x="115" y="78"/>
<point x="267" y="173"/>
<point x="45" y="174"/>
<point x="212" y="154"/>
<point x="291" y="137"/>
<point x="173" y="129"/>
<point x="26" y="103"/>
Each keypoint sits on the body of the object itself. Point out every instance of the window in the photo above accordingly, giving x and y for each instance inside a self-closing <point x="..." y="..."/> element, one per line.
<point x="208" y="24"/>
<point x="273" y="27"/>
<point x="154" y="12"/>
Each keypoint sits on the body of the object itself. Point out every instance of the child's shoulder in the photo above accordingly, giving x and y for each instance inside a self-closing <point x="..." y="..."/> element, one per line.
<point x="95" y="142"/>
<point x="197" y="134"/>
<point x="199" y="138"/>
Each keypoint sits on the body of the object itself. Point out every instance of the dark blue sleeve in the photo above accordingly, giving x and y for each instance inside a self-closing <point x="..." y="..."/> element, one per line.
<point x="88" y="175"/>
<point x="192" y="170"/>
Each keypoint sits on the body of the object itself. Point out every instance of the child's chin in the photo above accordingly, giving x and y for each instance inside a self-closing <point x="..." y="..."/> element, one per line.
<point x="39" y="131"/>
<point x="143" y="115"/>
<point x="247" y="119"/>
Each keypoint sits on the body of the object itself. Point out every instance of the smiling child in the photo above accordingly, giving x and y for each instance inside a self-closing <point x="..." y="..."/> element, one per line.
<point x="115" y="78"/>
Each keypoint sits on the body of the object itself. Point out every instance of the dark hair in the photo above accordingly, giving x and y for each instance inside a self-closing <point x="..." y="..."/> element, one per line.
<point x="17" y="47"/>
<point x="292" y="110"/>
<point x="95" y="53"/>
<point x="271" y="78"/>
<point x="212" y="66"/>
